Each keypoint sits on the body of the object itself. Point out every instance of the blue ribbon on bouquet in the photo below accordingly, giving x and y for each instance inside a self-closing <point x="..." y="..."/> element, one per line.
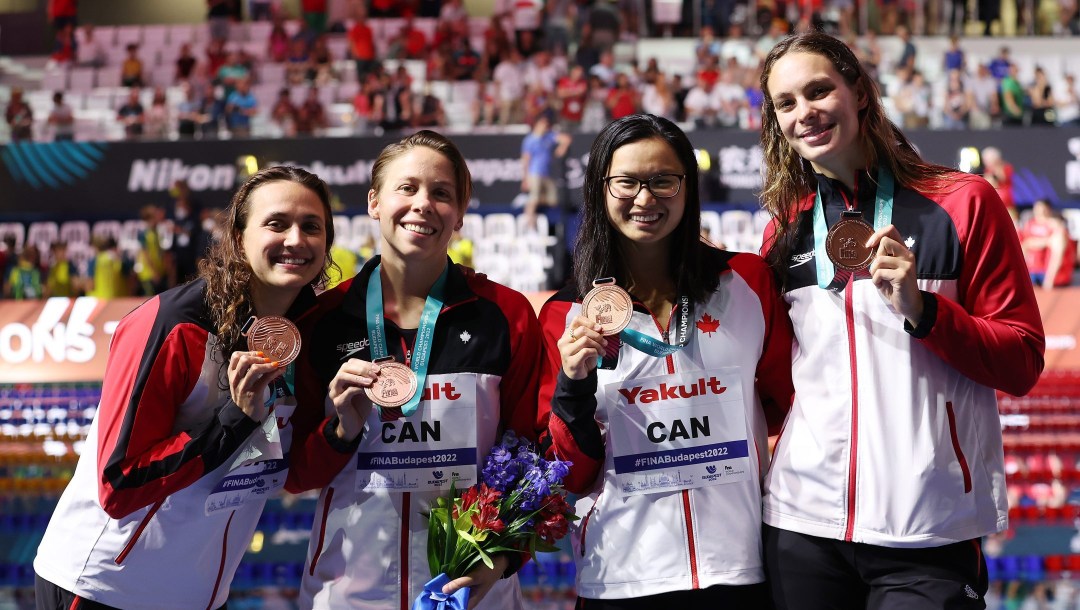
<point x="434" y="599"/>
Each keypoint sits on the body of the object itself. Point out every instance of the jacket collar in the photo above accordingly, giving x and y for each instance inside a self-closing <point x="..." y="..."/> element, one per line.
<point x="835" y="194"/>
<point x="355" y="301"/>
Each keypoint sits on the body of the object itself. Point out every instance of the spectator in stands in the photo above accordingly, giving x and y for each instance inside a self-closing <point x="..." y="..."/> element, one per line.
<point x="605" y="23"/>
<point x="189" y="243"/>
<point x="586" y="55"/>
<point x="958" y="102"/>
<point x="908" y="52"/>
<point x="656" y="97"/>
<point x="261" y="10"/>
<point x="623" y="99"/>
<point x="986" y="107"/>
<point x="778" y="28"/>
<point x="393" y="107"/>
<point x="539" y="150"/>
<point x="105" y="272"/>
<point x="232" y="71"/>
<point x="605" y="69"/>
<point x="321" y="63"/>
<point x="362" y="44"/>
<point x="954" y="56"/>
<point x="409" y="43"/>
<point x="868" y="533"/>
<point x="1068" y="103"/>
<point x="1001" y="65"/>
<point x="465" y="61"/>
<point x="61" y="119"/>
<point x="283" y="113"/>
<point x="485" y="108"/>
<point x="216" y="56"/>
<point x="61" y="279"/>
<point x="595" y="115"/>
<point x="999" y="173"/>
<point x="131" y="71"/>
<point x="1048" y="249"/>
<point x="310" y="114"/>
<point x="363" y="104"/>
<point x="132" y="115"/>
<point x="298" y="62"/>
<point x="9" y="256"/>
<point x="65" y="48"/>
<point x="184" y="430"/>
<point x="158" y="120"/>
<point x="703" y="104"/>
<point x="63" y="13"/>
<point x="570" y="94"/>
<point x="431" y="112"/>
<point x="1013" y="100"/>
<point x="278" y="43"/>
<point x="150" y="258"/>
<point x="1041" y="100"/>
<point x="218" y="14"/>
<point x="240" y="107"/>
<point x="541" y="72"/>
<point x="185" y="63"/>
<point x="24" y="280"/>
<point x="314" y="14"/>
<point x="914" y="102"/>
<point x="89" y="51"/>
<point x="190" y="113"/>
<point x="19" y="117"/>
<point x="509" y="82"/>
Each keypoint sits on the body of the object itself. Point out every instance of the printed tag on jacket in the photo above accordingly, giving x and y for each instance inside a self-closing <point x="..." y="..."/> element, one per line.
<point x="674" y="432"/>
<point x="426" y="450"/>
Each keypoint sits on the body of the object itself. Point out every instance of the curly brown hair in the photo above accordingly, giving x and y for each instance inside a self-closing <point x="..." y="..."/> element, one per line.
<point x="788" y="178"/>
<point x="226" y="270"/>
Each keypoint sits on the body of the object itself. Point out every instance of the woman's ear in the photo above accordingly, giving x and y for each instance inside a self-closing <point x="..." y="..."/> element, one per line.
<point x="372" y="204"/>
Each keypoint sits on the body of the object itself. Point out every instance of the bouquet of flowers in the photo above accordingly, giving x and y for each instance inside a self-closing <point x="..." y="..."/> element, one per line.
<point x="518" y="506"/>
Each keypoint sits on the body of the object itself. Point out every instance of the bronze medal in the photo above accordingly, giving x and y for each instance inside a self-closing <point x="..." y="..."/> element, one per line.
<point x="395" y="385"/>
<point x="846" y="244"/>
<point x="609" y="306"/>
<point x="276" y="337"/>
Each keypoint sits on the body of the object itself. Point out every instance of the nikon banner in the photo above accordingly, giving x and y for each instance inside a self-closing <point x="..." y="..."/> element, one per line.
<point x="95" y="180"/>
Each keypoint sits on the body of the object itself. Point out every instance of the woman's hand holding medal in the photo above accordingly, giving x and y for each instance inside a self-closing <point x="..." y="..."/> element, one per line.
<point x="581" y="346"/>
<point x="249" y="375"/>
<point x="349" y="397"/>
<point x="894" y="273"/>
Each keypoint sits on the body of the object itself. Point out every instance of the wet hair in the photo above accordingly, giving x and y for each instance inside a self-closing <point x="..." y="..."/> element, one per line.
<point x="596" y="252"/>
<point x="435" y="141"/>
<point x="788" y="178"/>
<point x="226" y="270"/>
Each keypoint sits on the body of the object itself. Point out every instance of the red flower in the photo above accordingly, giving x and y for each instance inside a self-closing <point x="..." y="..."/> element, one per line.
<point x="553" y="528"/>
<point x="488" y="519"/>
<point x="481" y="494"/>
<point x="555" y="504"/>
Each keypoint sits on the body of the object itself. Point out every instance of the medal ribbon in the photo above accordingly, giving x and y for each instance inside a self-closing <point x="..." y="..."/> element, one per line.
<point x="424" y="334"/>
<point x="655" y="347"/>
<point x="827" y="275"/>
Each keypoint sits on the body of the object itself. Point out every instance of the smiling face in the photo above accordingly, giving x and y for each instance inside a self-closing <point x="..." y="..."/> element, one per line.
<point x="818" y="113"/>
<point x="645" y="219"/>
<point x="417" y="206"/>
<point x="284" y="240"/>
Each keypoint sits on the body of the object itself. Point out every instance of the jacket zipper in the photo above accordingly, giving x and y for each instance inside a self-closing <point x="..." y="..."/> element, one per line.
<point x="956" y="447"/>
<point x="322" y="530"/>
<point x="849" y="311"/>
<point x="221" y="565"/>
<point x="138" y="532"/>
<point x="688" y="516"/>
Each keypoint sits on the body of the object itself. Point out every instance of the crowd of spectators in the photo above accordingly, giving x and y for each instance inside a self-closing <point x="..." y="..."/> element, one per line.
<point x="522" y="64"/>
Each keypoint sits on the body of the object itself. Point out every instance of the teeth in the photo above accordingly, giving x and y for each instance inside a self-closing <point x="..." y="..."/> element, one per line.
<point x="292" y="261"/>
<point x="419" y="228"/>
<point x="644" y="218"/>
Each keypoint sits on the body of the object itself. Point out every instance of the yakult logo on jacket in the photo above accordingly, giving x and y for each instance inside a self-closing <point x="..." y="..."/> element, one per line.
<point x="665" y="391"/>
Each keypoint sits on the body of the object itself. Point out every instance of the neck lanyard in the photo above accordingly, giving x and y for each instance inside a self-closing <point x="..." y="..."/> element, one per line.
<point x="655" y="347"/>
<point x="376" y="328"/>
<point x="827" y="275"/>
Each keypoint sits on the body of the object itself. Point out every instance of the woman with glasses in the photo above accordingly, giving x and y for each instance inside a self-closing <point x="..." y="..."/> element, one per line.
<point x="666" y="419"/>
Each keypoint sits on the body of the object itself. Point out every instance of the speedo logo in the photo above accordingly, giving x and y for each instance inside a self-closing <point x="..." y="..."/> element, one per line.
<point x="348" y="350"/>
<point x="665" y="391"/>
<point x="801" y="259"/>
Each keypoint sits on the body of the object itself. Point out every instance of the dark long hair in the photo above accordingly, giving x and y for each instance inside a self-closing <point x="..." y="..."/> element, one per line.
<point x="596" y="253"/>
<point x="789" y="178"/>
<point x="226" y="269"/>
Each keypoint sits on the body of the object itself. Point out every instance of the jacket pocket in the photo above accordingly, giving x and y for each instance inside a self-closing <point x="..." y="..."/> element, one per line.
<point x="956" y="447"/>
<point x="138" y="533"/>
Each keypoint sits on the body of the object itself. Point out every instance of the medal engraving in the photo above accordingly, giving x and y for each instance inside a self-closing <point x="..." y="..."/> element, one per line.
<point x="276" y="337"/>
<point x="394" y="387"/>
<point x="609" y="306"/>
<point x="846" y="244"/>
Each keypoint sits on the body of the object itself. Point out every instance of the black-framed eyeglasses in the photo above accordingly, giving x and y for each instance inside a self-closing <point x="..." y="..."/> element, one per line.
<point x="662" y="186"/>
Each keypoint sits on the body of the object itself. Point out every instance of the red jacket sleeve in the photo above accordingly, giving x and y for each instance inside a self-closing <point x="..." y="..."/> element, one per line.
<point x="152" y="369"/>
<point x="774" y="385"/>
<point x="993" y="334"/>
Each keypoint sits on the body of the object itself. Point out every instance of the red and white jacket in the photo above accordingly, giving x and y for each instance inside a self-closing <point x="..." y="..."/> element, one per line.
<point x="368" y="549"/>
<point x="637" y="545"/>
<point x="150" y="519"/>
<point x="893" y="438"/>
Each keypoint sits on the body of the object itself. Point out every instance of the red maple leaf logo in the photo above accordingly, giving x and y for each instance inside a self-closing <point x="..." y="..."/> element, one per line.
<point x="708" y="325"/>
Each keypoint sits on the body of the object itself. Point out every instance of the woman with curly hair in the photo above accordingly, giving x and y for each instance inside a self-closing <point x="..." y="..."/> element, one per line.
<point x="194" y="430"/>
<point x="911" y="307"/>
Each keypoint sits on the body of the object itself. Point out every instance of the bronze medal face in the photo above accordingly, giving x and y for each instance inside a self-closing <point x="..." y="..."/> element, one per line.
<point x="609" y="306"/>
<point x="846" y="244"/>
<point x="276" y="337"/>
<point x="394" y="387"/>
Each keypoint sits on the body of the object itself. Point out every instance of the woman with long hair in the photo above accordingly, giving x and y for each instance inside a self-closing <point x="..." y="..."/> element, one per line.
<point x="195" y="429"/>
<point x="467" y="347"/>
<point x="666" y="362"/>
<point x="911" y="306"/>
